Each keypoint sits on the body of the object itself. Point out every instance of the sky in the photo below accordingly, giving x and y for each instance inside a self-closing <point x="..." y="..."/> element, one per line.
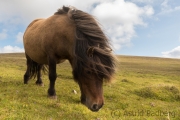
<point x="134" y="27"/>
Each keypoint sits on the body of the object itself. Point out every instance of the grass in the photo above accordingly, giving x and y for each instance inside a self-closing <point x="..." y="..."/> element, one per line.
<point x="144" y="88"/>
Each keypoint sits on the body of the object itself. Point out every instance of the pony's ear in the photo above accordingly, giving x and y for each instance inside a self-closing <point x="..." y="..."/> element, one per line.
<point x="66" y="9"/>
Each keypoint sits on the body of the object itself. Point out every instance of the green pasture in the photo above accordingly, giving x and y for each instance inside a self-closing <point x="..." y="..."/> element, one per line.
<point x="144" y="88"/>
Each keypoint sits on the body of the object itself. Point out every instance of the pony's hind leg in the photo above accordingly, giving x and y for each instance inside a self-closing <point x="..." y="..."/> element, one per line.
<point x="33" y="70"/>
<point x="26" y="77"/>
<point x="27" y="73"/>
<point x="39" y="80"/>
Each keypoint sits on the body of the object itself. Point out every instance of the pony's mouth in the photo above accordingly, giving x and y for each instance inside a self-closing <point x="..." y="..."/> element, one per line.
<point x="93" y="107"/>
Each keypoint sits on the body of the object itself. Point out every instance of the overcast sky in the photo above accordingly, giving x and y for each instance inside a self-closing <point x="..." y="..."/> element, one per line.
<point x="135" y="27"/>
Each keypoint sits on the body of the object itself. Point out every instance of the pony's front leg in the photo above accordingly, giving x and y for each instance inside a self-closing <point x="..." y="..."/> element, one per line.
<point x="52" y="78"/>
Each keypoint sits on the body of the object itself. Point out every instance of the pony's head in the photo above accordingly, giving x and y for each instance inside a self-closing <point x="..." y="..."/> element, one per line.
<point x="90" y="72"/>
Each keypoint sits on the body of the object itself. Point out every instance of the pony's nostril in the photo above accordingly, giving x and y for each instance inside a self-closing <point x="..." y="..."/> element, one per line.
<point x="95" y="107"/>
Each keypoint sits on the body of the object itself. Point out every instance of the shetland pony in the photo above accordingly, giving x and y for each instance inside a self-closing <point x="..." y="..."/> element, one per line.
<point x="76" y="36"/>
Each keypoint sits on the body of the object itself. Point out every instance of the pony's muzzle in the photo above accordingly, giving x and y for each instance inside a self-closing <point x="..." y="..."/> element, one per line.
<point x="96" y="107"/>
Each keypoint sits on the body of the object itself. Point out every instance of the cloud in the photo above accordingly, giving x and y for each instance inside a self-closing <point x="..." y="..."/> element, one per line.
<point x="3" y="34"/>
<point x="120" y="18"/>
<point x="164" y="5"/>
<point x="23" y="12"/>
<point x="11" y="49"/>
<point x="174" y="53"/>
<point x="143" y="1"/>
<point x="19" y="37"/>
<point x="167" y="8"/>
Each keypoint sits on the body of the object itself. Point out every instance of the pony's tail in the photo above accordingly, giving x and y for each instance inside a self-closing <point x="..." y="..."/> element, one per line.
<point x="33" y="68"/>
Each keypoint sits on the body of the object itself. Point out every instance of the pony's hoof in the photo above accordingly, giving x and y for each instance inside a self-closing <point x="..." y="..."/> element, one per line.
<point x="25" y="82"/>
<point x="53" y="97"/>
<point x="40" y="84"/>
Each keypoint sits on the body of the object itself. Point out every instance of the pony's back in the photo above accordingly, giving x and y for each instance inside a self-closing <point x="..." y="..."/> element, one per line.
<point x="53" y="35"/>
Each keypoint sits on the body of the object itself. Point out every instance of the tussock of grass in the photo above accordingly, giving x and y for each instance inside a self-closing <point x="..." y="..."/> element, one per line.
<point x="124" y="80"/>
<point x="146" y="92"/>
<point x="164" y="93"/>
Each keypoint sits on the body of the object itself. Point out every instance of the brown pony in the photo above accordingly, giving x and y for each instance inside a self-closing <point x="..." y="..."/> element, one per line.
<point x="76" y="36"/>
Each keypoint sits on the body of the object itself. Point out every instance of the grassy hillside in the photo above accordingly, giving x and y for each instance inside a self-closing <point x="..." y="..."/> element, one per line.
<point x="144" y="88"/>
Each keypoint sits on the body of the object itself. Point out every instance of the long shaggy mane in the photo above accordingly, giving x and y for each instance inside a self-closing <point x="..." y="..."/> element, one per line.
<point x="92" y="50"/>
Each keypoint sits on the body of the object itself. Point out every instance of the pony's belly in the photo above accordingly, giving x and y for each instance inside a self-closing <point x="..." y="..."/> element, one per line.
<point x="60" y="61"/>
<point x="41" y="59"/>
